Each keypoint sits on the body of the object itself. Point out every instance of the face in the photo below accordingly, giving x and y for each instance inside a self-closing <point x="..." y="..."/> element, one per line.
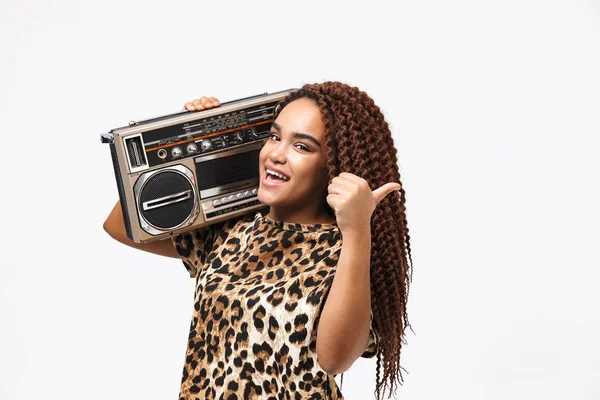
<point x="295" y="151"/>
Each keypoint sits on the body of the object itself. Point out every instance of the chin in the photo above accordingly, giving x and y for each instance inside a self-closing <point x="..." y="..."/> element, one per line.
<point x="269" y="200"/>
<point x="261" y="197"/>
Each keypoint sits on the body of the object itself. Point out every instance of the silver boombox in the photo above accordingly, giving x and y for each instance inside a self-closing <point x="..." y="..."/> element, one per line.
<point x="190" y="169"/>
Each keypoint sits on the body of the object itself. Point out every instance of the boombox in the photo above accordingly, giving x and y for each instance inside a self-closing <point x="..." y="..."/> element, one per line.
<point x="190" y="169"/>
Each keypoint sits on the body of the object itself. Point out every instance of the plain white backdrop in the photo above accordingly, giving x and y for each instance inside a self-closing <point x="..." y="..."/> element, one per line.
<point x="495" y="111"/>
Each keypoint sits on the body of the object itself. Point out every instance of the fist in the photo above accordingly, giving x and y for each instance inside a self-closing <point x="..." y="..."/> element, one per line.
<point x="353" y="202"/>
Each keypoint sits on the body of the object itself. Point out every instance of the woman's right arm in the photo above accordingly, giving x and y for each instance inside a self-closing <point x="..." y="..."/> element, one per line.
<point x="114" y="224"/>
<point x="115" y="227"/>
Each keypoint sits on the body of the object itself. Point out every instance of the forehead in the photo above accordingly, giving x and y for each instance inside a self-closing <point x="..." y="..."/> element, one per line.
<point x="303" y="116"/>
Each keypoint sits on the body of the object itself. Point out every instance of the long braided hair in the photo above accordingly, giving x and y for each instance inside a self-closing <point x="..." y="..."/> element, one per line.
<point x="358" y="140"/>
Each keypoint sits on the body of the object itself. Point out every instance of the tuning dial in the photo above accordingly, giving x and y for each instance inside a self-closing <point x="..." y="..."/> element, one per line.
<point x="206" y="144"/>
<point x="176" y="152"/>
<point x="192" y="148"/>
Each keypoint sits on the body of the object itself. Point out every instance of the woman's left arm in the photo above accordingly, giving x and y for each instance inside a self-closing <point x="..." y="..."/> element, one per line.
<point x="343" y="331"/>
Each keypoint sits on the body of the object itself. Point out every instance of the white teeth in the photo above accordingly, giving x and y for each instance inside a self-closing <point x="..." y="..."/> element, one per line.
<point x="277" y="174"/>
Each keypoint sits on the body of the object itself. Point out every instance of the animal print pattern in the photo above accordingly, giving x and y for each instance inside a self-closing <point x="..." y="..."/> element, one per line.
<point x="261" y="285"/>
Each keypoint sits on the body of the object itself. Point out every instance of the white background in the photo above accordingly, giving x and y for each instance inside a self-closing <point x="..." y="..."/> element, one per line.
<point x="495" y="110"/>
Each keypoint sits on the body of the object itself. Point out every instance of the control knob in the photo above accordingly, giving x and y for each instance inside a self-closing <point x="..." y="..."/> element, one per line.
<point x="191" y="148"/>
<point x="176" y="152"/>
<point x="206" y="144"/>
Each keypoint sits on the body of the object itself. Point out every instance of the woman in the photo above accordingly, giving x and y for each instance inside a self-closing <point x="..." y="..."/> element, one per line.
<point x="287" y="300"/>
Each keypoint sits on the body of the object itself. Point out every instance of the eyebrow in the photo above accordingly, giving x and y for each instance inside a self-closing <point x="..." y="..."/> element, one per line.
<point x="299" y="135"/>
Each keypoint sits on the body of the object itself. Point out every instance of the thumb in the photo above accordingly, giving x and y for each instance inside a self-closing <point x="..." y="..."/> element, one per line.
<point x="384" y="190"/>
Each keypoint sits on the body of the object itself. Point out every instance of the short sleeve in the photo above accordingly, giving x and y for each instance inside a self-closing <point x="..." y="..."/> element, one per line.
<point x="373" y="343"/>
<point x="193" y="248"/>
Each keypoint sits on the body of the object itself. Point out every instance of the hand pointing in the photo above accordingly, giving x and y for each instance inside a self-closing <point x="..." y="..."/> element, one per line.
<point x="353" y="201"/>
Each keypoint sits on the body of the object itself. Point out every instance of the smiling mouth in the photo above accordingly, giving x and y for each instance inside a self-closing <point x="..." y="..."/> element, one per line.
<point x="274" y="180"/>
<point x="275" y="176"/>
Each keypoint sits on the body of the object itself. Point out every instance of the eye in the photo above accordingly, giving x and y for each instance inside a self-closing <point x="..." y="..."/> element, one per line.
<point x="303" y="147"/>
<point x="274" y="135"/>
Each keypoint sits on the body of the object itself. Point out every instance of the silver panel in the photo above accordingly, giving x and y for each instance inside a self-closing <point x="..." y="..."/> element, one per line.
<point x="242" y="148"/>
<point x="130" y="156"/>
<point x="192" y="116"/>
<point x="208" y="206"/>
<point x="228" y="188"/>
<point x="139" y="185"/>
<point x="165" y="201"/>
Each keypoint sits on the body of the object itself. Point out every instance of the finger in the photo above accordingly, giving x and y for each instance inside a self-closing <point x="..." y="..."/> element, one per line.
<point x="337" y="188"/>
<point x="206" y="102"/>
<point x="354" y="181"/>
<point x="189" y="106"/>
<point x="343" y="180"/>
<point x="215" y="102"/>
<point x="332" y="200"/>
<point x="384" y="190"/>
<point x="197" y="105"/>
<point x="351" y="177"/>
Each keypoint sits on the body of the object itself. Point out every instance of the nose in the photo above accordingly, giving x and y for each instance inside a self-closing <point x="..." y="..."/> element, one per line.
<point x="277" y="153"/>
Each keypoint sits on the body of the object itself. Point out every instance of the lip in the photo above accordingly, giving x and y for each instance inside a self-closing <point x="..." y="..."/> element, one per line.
<point x="276" y="170"/>
<point x="271" y="184"/>
<point x="266" y="183"/>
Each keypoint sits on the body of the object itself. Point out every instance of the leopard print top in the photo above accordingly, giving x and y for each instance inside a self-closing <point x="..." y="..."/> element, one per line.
<point x="260" y="287"/>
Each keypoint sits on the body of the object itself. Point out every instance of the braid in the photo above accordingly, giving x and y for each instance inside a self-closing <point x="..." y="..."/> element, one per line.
<point x="358" y="140"/>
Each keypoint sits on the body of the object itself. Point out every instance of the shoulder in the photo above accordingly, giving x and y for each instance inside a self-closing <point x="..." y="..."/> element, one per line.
<point x="221" y="228"/>
<point x="236" y="226"/>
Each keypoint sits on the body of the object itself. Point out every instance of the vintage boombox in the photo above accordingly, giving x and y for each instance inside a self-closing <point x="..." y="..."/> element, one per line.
<point x="190" y="169"/>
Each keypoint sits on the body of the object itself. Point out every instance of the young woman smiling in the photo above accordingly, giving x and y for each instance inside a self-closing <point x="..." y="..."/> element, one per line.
<point x="287" y="300"/>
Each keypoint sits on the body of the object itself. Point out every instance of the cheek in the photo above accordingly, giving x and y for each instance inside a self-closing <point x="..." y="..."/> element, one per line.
<point x="324" y="180"/>
<point x="262" y="155"/>
<point x="322" y="172"/>
<point x="319" y="178"/>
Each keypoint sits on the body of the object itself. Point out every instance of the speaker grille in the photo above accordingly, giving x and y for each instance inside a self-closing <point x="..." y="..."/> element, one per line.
<point x="163" y="184"/>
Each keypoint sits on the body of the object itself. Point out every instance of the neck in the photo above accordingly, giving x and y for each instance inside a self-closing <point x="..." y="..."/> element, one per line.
<point x="305" y="217"/>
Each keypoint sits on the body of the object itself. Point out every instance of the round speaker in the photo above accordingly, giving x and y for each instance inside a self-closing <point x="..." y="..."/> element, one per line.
<point x="166" y="198"/>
